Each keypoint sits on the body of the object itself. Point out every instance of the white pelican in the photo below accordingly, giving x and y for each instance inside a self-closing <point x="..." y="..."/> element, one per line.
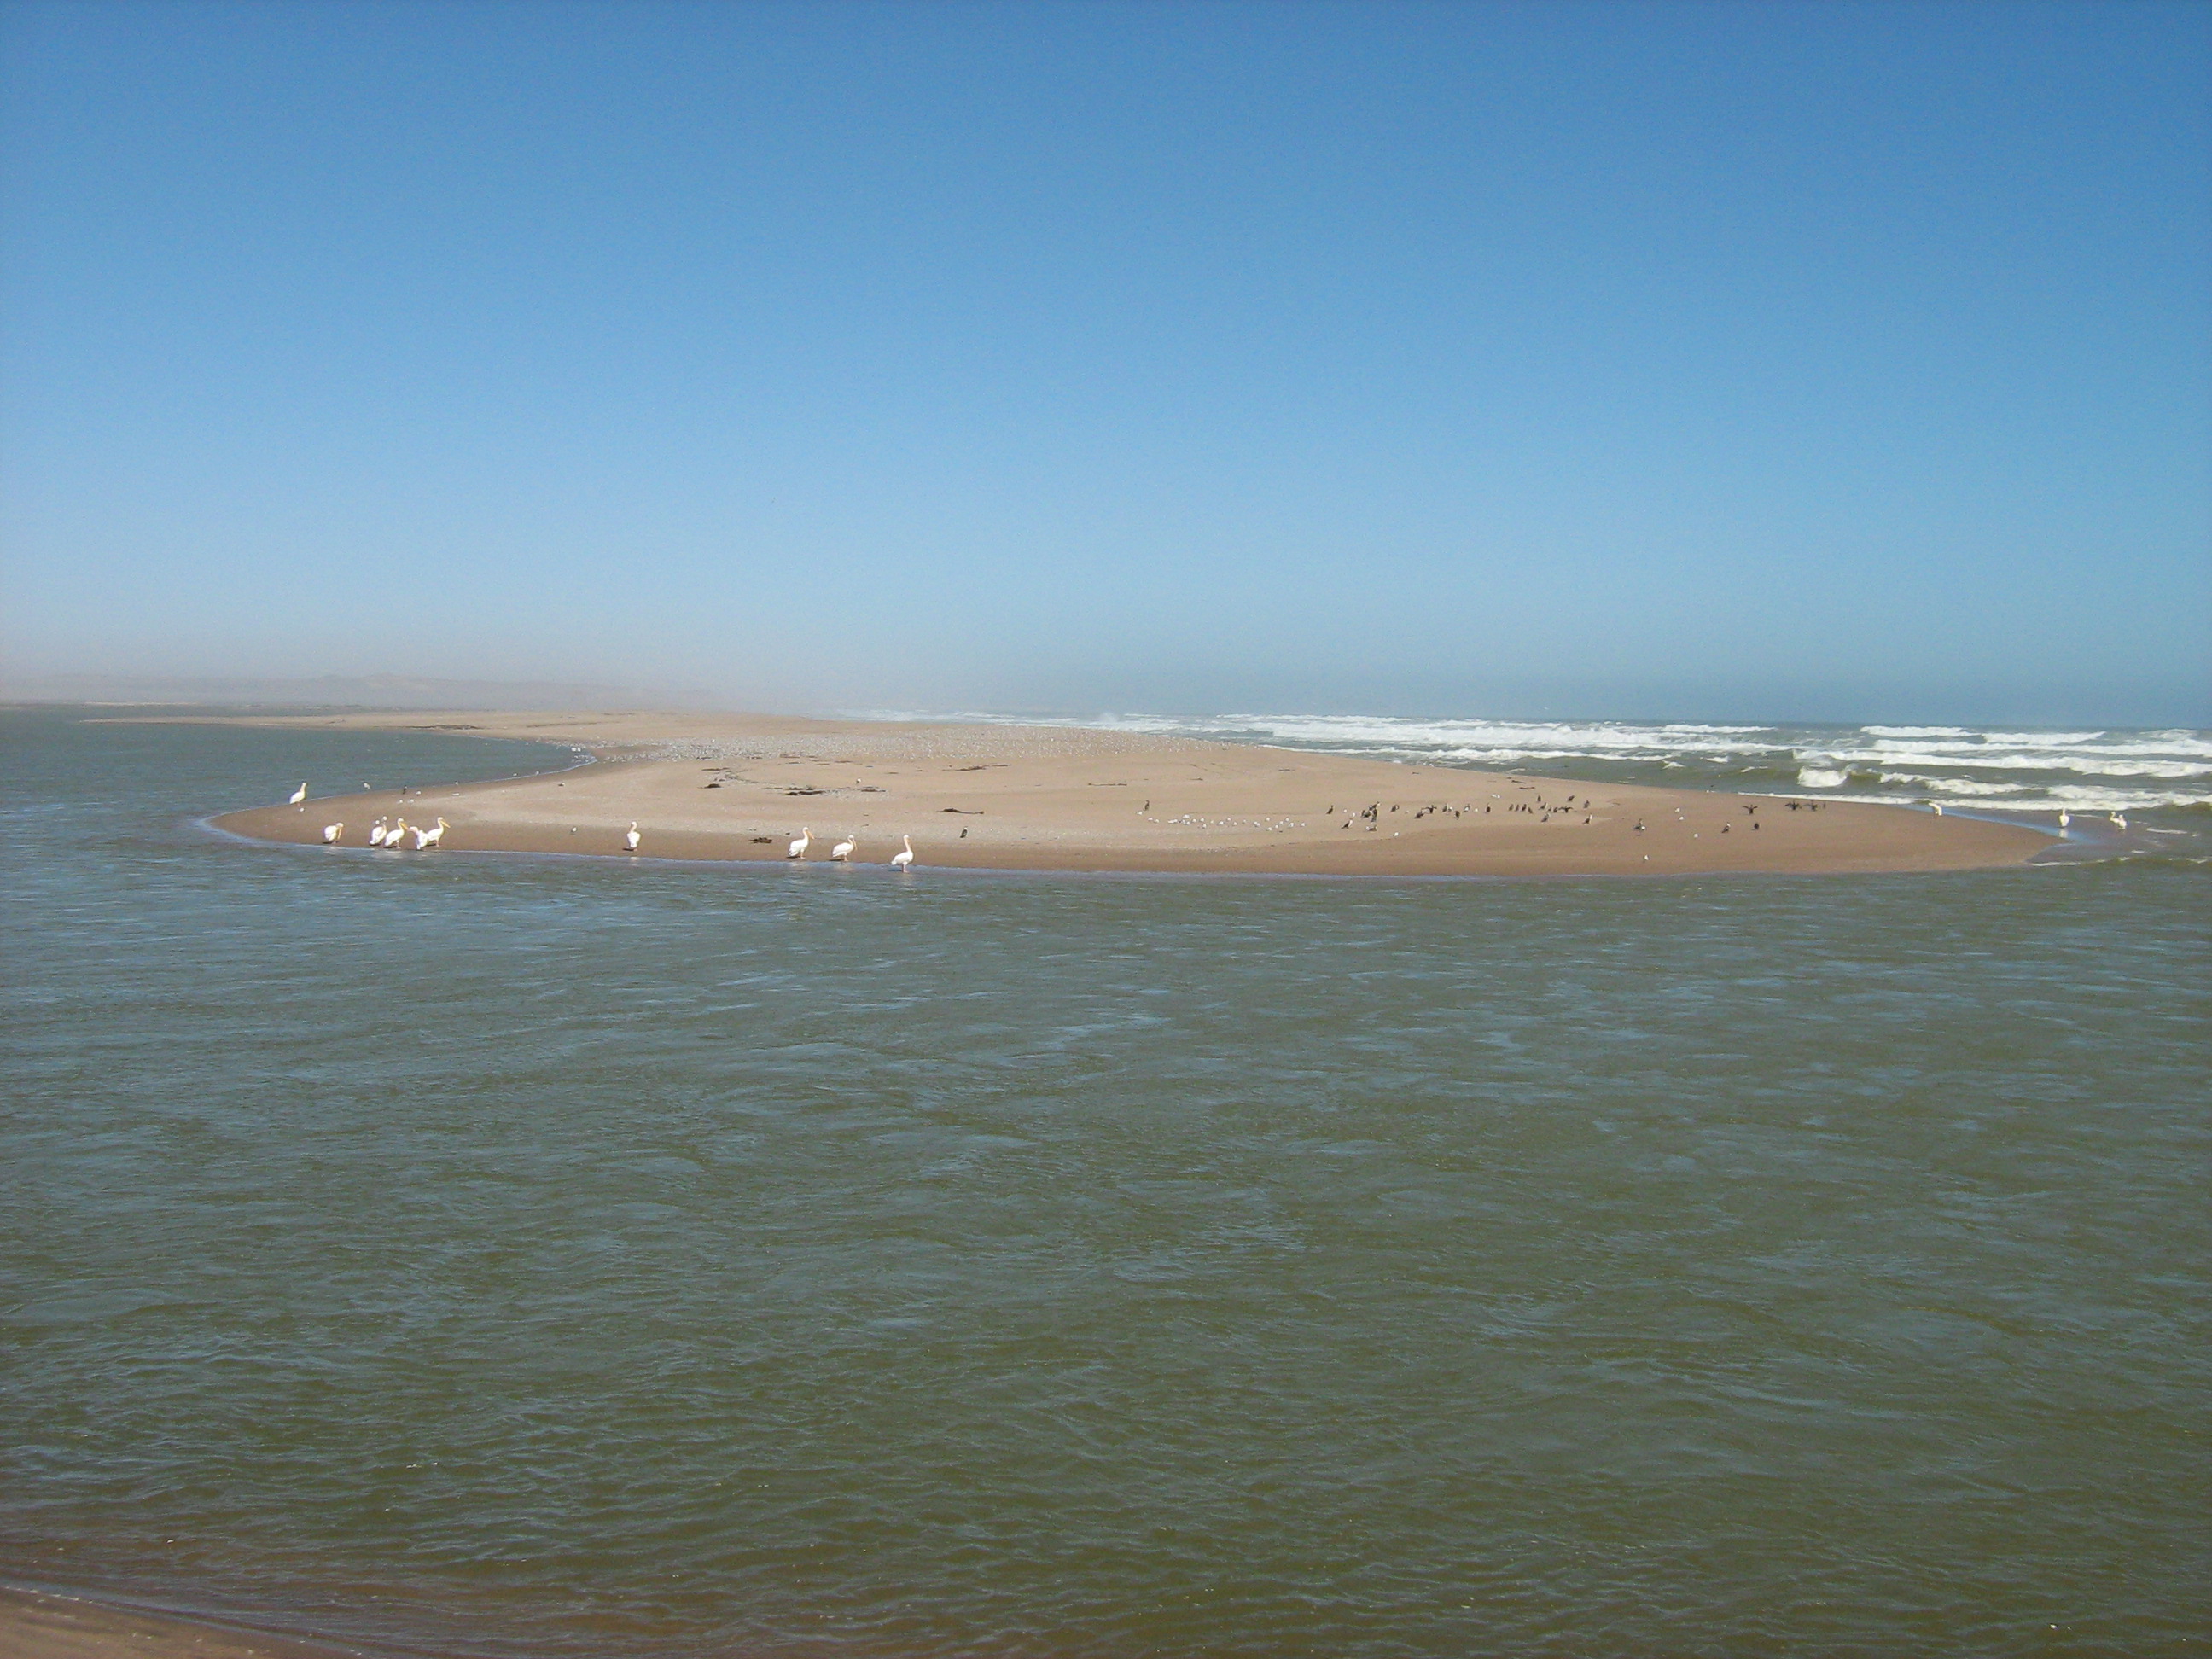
<point x="376" y="833"/>
<point x="297" y="796"/>
<point x="630" y="840"/>
<point x="399" y="827"/>
<point x="2119" y="820"/>
<point x="799" y="847"/>
<point x="2065" y="818"/>
<point x="429" y="837"/>
<point x="330" y="834"/>
<point x="902" y="860"/>
<point x="843" y="849"/>
<point x="1937" y="806"/>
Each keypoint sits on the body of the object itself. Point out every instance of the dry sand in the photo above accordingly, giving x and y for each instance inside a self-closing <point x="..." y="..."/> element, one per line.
<point x="1050" y="798"/>
<point x="37" y="1626"/>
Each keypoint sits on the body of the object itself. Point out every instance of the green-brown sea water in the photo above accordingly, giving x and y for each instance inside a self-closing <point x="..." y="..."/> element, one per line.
<point x="488" y="1255"/>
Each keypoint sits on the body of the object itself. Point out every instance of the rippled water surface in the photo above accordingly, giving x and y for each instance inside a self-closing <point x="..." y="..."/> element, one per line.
<point x="502" y="1256"/>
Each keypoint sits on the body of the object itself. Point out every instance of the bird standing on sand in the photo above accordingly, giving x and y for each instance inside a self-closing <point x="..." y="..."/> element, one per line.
<point x="427" y="838"/>
<point x="376" y="833"/>
<point x="902" y="860"/>
<point x="297" y="796"/>
<point x="630" y="840"/>
<point x="330" y="834"/>
<point x="799" y="847"/>
<point x="399" y="827"/>
<point x="1937" y="807"/>
<point x="843" y="849"/>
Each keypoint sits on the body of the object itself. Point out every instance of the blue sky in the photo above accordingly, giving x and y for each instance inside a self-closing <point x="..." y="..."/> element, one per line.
<point x="1695" y="361"/>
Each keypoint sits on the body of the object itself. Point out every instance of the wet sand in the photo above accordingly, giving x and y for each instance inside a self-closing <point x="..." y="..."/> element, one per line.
<point x="37" y="1626"/>
<point x="741" y="787"/>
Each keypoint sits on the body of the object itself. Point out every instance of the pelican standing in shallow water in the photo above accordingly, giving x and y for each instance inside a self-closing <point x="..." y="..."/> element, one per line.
<point x="2065" y="818"/>
<point x="330" y="834"/>
<point x="843" y="849"/>
<point x="297" y="796"/>
<point x="376" y="833"/>
<point x="399" y="827"/>
<point x="631" y="840"/>
<point x="799" y="847"/>
<point x="2119" y="820"/>
<point x="902" y="860"/>
<point x="428" y="838"/>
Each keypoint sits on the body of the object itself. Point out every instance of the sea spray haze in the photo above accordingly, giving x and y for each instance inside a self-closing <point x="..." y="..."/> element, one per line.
<point x="565" y="1257"/>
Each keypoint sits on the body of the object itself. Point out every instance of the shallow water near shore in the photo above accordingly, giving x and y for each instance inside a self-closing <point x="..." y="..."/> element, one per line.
<point x="510" y="1256"/>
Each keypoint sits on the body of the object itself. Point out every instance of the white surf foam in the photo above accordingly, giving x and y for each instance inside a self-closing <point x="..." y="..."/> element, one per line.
<point x="2114" y="768"/>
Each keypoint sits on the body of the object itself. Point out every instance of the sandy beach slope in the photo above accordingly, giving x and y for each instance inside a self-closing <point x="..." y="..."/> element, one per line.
<point x="722" y="787"/>
<point x="37" y="1626"/>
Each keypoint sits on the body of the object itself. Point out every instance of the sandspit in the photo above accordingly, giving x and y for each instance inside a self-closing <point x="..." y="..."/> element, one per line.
<point x="741" y="787"/>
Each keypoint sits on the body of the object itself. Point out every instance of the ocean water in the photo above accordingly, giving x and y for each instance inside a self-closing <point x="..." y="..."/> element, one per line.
<point x="488" y="1255"/>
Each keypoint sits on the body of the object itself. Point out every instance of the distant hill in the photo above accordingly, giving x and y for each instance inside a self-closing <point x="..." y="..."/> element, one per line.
<point x="343" y="691"/>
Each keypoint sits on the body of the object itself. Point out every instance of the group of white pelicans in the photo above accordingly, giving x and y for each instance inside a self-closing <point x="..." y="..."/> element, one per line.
<point x="903" y="859"/>
<point x="392" y="832"/>
<point x="383" y="832"/>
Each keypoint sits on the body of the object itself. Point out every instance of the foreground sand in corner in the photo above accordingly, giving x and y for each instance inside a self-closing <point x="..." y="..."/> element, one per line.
<point x="36" y="1625"/>
<point x="1052" y="797"/>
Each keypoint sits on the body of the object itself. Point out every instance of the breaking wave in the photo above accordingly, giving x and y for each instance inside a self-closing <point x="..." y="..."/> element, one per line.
<point x="2115" y="769"/>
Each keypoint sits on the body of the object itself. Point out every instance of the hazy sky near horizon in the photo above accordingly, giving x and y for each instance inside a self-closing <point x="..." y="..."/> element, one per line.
<point x="1702" y="360"/>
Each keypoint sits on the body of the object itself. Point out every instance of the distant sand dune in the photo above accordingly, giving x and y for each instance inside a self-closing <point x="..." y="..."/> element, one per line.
<point x="384" y="691"/>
